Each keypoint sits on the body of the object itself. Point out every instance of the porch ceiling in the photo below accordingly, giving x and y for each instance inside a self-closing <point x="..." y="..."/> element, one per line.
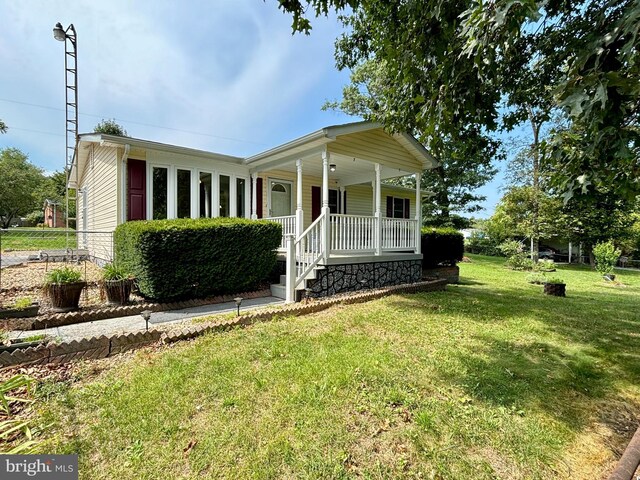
<point x="349" y="170"/>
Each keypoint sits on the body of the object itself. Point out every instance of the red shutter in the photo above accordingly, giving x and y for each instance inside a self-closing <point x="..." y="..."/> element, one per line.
<point x="259" y="197"/>
<point x="407" y="208"/>
<point x="137" y="189"/>
<point x="389" y="207"/>
<point x="315" y="202"/>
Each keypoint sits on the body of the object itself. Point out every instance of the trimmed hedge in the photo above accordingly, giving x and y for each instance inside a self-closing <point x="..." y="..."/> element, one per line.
<point x="441" y="246"/>
<point x="192" y="258"/>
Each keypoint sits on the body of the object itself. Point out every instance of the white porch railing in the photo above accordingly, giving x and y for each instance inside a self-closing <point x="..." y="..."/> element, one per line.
<point x="304" y="254"/>
<point x="352" y="233"/>
<point x="398" y="234"/>
<point x="288" y="227"/>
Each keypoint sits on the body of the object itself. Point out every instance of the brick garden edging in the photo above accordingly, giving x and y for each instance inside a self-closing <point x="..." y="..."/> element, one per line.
<point x="90" y="315"/>
<point x="103" y="346"/>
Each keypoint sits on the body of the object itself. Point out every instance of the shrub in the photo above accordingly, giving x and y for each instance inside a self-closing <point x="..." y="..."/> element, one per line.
<point x="545" y="266"/>
<point x="536" y="278"/>
<point x="516" y="257"/>
<point x="63" y="275"/>
<point x="441" y="246"/>
<point x="555" y="281"/>
<point x="606" y="255"/>
<point x="481" y="244"/>
<point x="191" y="258"/>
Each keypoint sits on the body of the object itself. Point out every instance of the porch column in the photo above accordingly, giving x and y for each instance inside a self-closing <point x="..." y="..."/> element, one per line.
<point x="378" y="214"/>
<point x="254" y="194"/>
<point x="325" y="202"/>
<point x="418" y="213"/>
<point x="299" y="212"/>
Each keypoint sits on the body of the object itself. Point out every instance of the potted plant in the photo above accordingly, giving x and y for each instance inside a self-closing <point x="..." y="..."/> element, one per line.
<point x="9" y="345"/>
<point x="116" y="283"/>
<point x="555" y="286"/>
<point x="22" y="308"/>
<point x="63" y="286"/>
<point x="606" y="255"/>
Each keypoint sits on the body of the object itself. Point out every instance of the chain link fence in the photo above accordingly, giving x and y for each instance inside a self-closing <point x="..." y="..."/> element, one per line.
<point x="24" y="246"/>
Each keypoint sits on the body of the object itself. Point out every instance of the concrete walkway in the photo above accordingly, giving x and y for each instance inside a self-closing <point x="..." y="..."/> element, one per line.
<point x="135" y="323"/>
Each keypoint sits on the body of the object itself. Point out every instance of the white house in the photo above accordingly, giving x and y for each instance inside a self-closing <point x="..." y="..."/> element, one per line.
<point x="343" y="228"/>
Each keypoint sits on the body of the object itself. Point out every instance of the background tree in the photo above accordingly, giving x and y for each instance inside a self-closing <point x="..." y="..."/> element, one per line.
<point x="465" y="156"/>
<point x="451" y="64"/>
<point x="110" y="127"/>
<point x="20" y="183"/>
<point x="3" y="127"/>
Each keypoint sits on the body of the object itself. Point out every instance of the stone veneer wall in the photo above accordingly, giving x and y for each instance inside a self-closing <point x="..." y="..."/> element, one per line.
<point x="335" y="279"/>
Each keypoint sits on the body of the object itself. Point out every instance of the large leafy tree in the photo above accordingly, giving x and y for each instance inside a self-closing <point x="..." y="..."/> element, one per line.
<point x="110" y="127"/>
<point x="453" y="64"/>
<point x="465" y="156"/>
<point x="3" y="127"/>
<point x="20" y="185"/>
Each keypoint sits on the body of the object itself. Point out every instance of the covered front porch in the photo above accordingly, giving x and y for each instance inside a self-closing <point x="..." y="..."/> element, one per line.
<point x="328" y="194"/>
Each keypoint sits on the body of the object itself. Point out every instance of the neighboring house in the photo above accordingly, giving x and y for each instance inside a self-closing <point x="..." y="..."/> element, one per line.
<point x="53" y="214"/>
<point x="348" y="229"/>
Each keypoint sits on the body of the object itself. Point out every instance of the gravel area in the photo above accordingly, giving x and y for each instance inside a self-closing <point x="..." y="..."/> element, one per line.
<point x="25" y="280"/>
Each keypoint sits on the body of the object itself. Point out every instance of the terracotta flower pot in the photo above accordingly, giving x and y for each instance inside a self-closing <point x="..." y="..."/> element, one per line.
<point x="118" y="291"/>
<point x="555" y="289"/>
<point x="64" y="297"/>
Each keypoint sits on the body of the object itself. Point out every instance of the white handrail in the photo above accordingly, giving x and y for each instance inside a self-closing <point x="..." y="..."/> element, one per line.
<point x="352" y="232"/>
<point x="288" y="223"/>
<point x="398" y="234"/>
<point x="309" y="248"/>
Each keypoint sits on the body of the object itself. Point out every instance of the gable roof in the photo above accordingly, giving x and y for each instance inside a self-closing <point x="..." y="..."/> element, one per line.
<point x="329" y="134"/>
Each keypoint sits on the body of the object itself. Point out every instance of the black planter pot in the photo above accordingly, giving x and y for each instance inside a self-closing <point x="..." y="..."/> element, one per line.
<point x="555" y="289"/>
<point x="118" y="291"/>
<point x="31" y="311"/>
<point x="64" y="297"/>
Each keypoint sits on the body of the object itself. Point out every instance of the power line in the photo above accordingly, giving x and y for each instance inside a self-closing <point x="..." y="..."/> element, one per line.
<point x="47" y="107"/>
<point x="35" y="131"/>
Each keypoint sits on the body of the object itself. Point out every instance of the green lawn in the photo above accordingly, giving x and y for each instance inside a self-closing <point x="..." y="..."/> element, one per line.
<point x="36" y="239"/>
<point x="490" y="379"/>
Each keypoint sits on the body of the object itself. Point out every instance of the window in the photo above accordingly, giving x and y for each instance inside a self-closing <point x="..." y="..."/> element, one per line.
<point x="205" y="197"/>
<point x="159" y="189"/>
<point x="225" y="195"/>
<point x="183" y="205"/>
<point x="241" y="195"/>
<point x="398" y="207"/>
<point x="333" y="201"/>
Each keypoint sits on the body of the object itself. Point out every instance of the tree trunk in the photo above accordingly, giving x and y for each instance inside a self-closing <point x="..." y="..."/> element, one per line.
<point x="535" y="147"/>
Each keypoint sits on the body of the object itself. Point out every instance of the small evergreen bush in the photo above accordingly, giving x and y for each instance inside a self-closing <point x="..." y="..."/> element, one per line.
<point x="194" y="258"/>
<point x="606" y="255"/>
<point x="441" y="246"/>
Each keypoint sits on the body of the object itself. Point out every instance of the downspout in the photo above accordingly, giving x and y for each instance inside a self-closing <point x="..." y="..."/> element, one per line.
<point x="123" y="186"/>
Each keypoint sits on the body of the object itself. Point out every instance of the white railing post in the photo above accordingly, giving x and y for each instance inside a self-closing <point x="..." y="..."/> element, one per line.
<point x="325" y="204"/>
<point x="299" y="211"/>
<point x="418" y="248"/>
<point x="377" y="193"/>
<point x="290" y="295"/>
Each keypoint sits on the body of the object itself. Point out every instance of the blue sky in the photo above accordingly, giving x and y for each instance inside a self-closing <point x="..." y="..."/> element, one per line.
<point x="225" y="76"/>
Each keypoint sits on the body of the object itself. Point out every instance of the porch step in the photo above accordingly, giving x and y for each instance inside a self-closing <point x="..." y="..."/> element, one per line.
<point x="278" y="291"/>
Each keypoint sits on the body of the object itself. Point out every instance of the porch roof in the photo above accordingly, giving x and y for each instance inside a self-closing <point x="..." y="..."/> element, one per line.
<point x="348" y="140"/>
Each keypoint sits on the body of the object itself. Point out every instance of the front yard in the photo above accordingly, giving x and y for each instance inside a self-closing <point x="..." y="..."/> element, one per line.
<point x="490" y="379"/>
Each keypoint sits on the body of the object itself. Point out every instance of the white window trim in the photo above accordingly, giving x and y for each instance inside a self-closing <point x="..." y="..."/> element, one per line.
<point x="170" y="199"/>
<point x="193" y="198"/>
<point x="213" y="192"/>
<point x="247" y="195"/>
